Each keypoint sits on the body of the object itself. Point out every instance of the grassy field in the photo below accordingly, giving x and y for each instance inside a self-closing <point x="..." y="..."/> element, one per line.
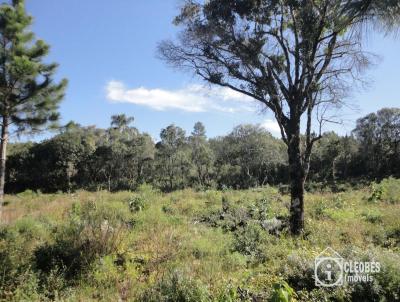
<point x="191" y="246"/>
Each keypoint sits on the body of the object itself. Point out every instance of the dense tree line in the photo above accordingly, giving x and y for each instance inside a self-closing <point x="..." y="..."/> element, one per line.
<point x="122" y="158"/>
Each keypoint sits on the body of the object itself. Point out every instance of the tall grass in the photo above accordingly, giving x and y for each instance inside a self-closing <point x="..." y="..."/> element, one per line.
<point x="191" y="245"/>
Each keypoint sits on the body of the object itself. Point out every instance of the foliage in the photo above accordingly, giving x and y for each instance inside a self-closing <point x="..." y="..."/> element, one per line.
<point x="176" y="287"/>
<point x="122" y="158"/>
<point x="387" y="190"/>
<point x="91" y="246"/>
<point x="282" y="292"/>
<point x="295" y="58"/>
<point x="378" y="134"/>
<point x="247" y="157"/>
<point x="29" y="96"/>
<point x="93" y="230"/>
<point x="137" y="204"/>
<point x="372" y="216"/>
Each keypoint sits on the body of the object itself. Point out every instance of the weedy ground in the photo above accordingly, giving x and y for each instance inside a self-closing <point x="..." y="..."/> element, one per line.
<point x="193" y="245"/>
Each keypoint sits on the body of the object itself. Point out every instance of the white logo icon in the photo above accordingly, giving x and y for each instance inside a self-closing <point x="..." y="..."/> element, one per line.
<point x="328" y="269"/>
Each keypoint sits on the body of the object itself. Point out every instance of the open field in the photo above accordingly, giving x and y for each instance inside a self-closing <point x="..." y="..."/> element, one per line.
<point x="191" y="246"/>
<point x="270" y="172"/>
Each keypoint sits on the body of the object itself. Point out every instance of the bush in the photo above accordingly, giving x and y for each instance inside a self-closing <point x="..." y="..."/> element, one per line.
<point x="372" y="216"/>
<point x="176" y="287"/>
<point x="389" y="277"/>
<point x="299" y="271"/>
<point x="16" y="245"/>
<point x="391" y="190"/>
<point x="92" y="231"/>
<point x="227" y="294"/>
<point x="28" y="194"/>
<point x="393" y="237"/>
<point x="320" y="210"/>
<point x="282" y="292"/>
<point x="137" y="204"/>
<point x="249" y="241"/>
<point x="27" y="287"/>
<point x="385" y="285"/>
<point x="388" y="190"/>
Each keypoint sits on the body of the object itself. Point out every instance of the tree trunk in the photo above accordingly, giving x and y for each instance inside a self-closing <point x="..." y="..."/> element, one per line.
<point x="297" y="179"/>
<point x="3" y="155"/>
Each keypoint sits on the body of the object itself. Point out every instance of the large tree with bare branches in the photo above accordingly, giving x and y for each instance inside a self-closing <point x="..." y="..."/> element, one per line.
<point x="296" y="57"/>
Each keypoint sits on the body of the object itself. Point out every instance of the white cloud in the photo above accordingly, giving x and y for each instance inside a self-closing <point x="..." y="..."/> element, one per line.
<point x="272" y="126"/>
<point x="193" y="98"/>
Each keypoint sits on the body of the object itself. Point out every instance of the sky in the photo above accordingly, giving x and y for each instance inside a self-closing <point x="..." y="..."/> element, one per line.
<point x="107" y="51"/>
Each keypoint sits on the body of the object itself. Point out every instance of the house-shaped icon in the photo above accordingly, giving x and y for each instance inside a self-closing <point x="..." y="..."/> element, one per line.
<point x="329" y="252"/>
<point x="328" y="268"/>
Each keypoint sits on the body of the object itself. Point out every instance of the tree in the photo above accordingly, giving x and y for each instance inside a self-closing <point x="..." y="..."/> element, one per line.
<point x="172" y="159"/>
<point x="121" y="160"/>
<point x="49" y="166"/>
<point x="296" y="57"/>
<point x="379" y="137"/>
<point x="334" y="158"/>
<point x="121" y="121"/>
<point x="201" y="154"/>
<point x="19" y="175"/>
<point x="29" y="96"/>
<point x="248" y="156"/>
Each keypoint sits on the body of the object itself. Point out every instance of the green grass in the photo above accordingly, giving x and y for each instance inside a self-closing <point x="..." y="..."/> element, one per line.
<point x="150" y="246"/>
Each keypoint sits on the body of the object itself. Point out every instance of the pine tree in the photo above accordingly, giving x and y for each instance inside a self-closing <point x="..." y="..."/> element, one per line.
<point x="29" y="98"/>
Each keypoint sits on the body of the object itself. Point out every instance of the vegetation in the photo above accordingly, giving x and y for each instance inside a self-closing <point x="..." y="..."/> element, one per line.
<point x="297" y="58"/>
<point x="123" y="158"/>
<point x="97" y="214"/>
<point x="29" y="96"/>
<point x="193" y="245"/>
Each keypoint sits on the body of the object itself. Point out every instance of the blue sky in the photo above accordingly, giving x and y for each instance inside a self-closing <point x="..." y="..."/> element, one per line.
<point x="107" y="50"/>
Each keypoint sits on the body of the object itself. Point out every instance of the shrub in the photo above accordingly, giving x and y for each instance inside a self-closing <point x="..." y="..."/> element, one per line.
<point x="92" y="231"/>
<point x="393" y="237"/>
<point x="385" y="285"/>
<point x="339" y="294"/>
<point x="391" y="190"/>
<point x="249" y="241"/>
<point x="376" y="193"/>
<point x="282" y="292"/>
<point x="28" y="194"/>
<point x="27" y="287"/>
<point x="299" y="271"/>
<point x="320" y="210"/>
<point x="16" y="245"/>
<point x="372" y="216"/>
<point x="227" y="294"/>
<point x="176" y="287"/>
<point x="387" y="190"/>
<point x="137" y="204"/>
<point x="113" y="269"/>
<point x="389" y="277"/>
<point x="53" y="283"/>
